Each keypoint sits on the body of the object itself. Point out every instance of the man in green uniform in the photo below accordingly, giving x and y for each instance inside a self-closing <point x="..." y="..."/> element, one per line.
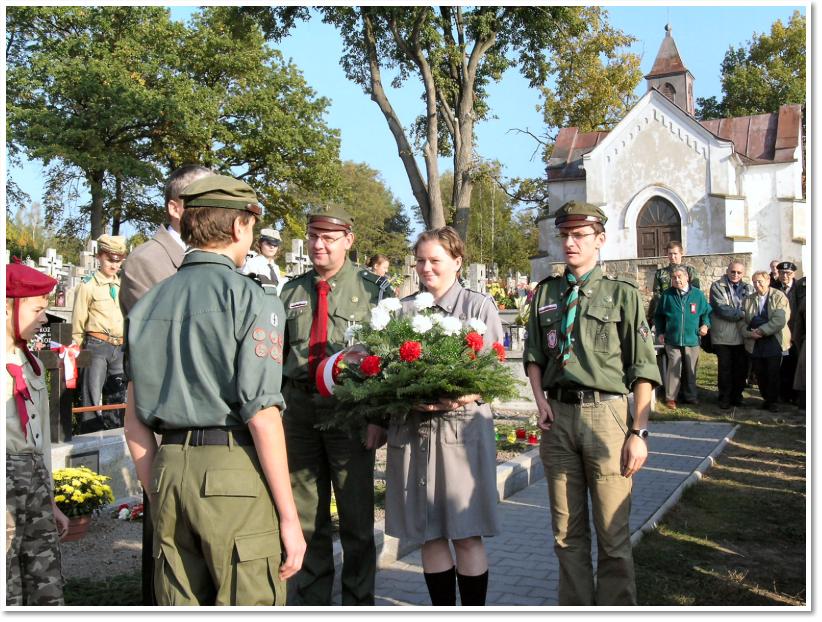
<point x="588" y="346"/>
<point x="209" y="344"/>
<point x="662" y="277"/>
<point x="321" y="305"/>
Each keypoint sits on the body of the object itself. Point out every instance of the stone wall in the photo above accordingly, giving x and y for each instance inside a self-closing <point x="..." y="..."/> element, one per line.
<point x="708" y="267"/>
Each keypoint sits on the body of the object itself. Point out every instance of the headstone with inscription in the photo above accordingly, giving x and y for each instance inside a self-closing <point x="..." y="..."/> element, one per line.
<point x="476" y="277"/>
<point x="297" y="262"/>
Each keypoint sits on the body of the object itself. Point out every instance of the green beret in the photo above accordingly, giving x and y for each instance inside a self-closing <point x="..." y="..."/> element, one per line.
<point x="577" y="213"/>
<point x="221" y="191"/>
<point x="330" y="216"/>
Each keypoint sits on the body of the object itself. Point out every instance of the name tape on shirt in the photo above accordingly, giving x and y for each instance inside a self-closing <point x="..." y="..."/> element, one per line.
<point x="298" y="305"/>
<point x="546" y="308"/>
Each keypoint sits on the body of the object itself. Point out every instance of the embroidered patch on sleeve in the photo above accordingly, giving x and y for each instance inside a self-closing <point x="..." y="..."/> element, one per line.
<point x="643" y="331"/>
<point x="552" y="339"/>
<point x="261" y="350"/>
<point x="258" y="334"/>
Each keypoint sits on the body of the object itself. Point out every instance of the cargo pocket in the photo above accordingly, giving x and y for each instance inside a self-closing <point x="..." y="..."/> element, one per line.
<point x="167" y="586"/>
<point x="258" y="558"/>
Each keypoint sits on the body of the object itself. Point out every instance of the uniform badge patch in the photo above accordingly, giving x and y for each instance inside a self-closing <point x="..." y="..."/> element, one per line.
<point x="355" y="299"/>
<point x="552" y="339"/>
<point x="643" y="331"/>
<point x="261" y="350"/>
<point x="258" y="334"/>
<point x="546" y="308"/>
<point x="275" y="321"/>
<point x="277" y="353"/>
<point x="693" y="308"/>
<point x="298" y="305"/>
<point x="276" y="338"/>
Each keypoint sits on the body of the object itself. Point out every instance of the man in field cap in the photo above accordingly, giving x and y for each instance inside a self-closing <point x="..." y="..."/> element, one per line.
<point x="588" y="346"/>
<point x="34" y="523"/>
<point x="320" y="305"/>
<point x="97" y="326"/>
<point x="795" y="292"/>
<point x="204" y="359"/>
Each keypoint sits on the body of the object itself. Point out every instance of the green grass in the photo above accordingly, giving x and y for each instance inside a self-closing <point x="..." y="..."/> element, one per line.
<point x="737" y="538"/>
<point x="122" y="590"/>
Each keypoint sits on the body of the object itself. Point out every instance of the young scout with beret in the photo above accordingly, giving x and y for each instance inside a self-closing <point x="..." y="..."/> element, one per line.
<point x="321" y="304"/>
<point x="97" y="326"/>
<point x="33" y="520"/>
<point x="588" y="346"/>
<point x="204" y="356"/>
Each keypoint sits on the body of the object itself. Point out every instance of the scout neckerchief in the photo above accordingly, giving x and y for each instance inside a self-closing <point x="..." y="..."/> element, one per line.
<point x="318" y="338"/>
<point x="569" y="314"/>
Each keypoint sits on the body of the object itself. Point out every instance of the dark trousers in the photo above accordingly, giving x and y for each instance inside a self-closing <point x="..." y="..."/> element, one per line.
<point x="732" y="363"/>
<point x="766" y="371"/>
<point x="787" y="371"/>
<point x="319" y="461"/>
<point x="106" y="360"/>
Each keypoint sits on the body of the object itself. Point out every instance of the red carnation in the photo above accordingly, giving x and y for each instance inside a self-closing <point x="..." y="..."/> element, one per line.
<point x="410" y="351"/>
<point x="474" y="341"/>
<point x="499" y="349"/>
<point x="371" y="365"/>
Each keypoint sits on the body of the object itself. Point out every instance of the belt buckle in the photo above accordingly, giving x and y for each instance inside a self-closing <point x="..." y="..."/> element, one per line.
<point x="197" y="437"/>
<point x="580" y="396"/>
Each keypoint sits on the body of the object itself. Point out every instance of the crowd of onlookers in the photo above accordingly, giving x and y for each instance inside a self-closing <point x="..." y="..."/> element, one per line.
<point x="756" y="330"/>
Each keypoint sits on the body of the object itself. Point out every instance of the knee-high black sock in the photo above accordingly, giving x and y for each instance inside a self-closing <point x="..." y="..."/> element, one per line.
<point x="473" y="589"/>
<point x="441" y="587"/>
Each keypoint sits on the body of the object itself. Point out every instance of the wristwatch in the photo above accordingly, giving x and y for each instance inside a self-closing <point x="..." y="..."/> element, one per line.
<point x="641" y="433"/>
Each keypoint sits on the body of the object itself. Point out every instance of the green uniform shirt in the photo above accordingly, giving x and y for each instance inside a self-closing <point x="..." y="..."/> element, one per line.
<point x="205" y="347"/>
<point x="354" y="291"/>
<point x="612" y="342"/>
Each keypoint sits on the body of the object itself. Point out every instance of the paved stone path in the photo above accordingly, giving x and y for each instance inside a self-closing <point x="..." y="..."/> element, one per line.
<point x="524" y="569"/>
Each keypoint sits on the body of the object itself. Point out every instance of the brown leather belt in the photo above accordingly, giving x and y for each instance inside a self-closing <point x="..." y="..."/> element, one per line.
<point x="207" y="436"/>
<point x="115" y="341"/>
<point x="581" y="396"/>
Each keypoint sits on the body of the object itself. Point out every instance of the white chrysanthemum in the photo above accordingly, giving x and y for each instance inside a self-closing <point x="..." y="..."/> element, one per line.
<point x="351" y="330"/>
<point x="379" y="318"/>
<point x="421" y="324"/>
<point x="477" y="325"/>
<point x="390" y="304"/>
<point x="451" y="325"/>
<point x="437" y="318"/>
<point x="424" y="300"/>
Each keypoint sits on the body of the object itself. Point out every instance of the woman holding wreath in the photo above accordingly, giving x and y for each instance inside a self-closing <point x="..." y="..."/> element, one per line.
<point x="441" y="471"/>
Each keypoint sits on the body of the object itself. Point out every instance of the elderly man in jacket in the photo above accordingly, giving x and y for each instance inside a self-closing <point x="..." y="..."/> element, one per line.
<point x="682" y="317"/>
<point x="766" y="334"/>
<point x="726" y="296"/>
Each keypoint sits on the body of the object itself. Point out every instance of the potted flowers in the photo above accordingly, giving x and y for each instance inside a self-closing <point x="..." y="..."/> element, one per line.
<point x="78" y="491"/>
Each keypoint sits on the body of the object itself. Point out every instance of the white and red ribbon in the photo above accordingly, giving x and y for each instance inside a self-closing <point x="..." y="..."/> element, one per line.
<point x="325" y="375"/>
<point x="69" y="355"/>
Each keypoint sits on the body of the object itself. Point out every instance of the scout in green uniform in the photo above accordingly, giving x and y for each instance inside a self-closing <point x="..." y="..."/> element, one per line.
<point x="321" y="304"/>
<point x="204" y="354"/>
<point x="662" y="277"/>
<point x="33" y="520"/>
<point x="588" y="346"/>
<point x="97" y="326"/>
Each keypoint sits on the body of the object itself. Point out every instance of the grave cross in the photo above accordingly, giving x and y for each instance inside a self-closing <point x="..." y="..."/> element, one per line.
<point x="297" y="262"/>
<point x="51" y="264"/>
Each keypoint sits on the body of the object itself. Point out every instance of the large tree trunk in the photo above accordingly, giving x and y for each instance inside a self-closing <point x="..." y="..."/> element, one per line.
<point x="95" y="182"/>
<point x="117" y="208"/>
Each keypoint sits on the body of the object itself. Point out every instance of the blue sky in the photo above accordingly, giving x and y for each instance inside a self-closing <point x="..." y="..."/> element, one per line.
<point x="703" y="34"/>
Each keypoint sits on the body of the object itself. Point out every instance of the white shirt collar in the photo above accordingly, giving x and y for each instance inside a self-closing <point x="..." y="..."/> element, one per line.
<point x="176" y="236"/>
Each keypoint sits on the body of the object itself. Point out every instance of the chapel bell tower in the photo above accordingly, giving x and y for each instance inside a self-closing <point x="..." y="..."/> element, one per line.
<point x="670" y="76"/>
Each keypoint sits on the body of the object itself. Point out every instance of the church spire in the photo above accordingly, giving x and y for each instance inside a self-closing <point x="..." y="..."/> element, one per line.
<point x="670" y="76"/>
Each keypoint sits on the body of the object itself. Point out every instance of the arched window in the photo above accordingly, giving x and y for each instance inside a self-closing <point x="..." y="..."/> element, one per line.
<point x="657" y="224"/>
<point x="669" y="91"/>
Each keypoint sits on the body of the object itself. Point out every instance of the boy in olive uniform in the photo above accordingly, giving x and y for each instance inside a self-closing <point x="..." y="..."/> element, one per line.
<point x="663" y="276"/>
<point x="34" y="523"/>
<point x="321" y="305"/>
<point x="588" y="346"/>
<point x="204" y="354"/>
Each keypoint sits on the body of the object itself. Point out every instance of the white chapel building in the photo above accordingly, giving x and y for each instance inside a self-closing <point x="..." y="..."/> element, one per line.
<point x="719" y="186"/>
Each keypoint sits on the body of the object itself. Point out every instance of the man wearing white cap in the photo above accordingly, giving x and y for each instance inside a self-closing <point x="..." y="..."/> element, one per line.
<point x="264" y="264"/>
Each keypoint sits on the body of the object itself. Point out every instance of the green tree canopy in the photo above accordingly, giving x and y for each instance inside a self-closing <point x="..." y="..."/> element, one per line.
<point x="762" y="76"/>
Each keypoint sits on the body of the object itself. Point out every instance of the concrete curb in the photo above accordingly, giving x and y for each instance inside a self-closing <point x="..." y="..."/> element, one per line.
<point x="673" y="499"/>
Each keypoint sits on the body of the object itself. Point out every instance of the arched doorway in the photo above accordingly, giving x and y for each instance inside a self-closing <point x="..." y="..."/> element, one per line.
<point x="657" y="224"/>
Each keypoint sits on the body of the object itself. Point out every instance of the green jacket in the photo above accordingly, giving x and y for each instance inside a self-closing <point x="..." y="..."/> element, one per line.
<point x="612" y="342"/>
<point x="205" y="347"/>
<point x="662" y="282"/>
<point x="679" y="317"/>
<point x="354" y="291"/>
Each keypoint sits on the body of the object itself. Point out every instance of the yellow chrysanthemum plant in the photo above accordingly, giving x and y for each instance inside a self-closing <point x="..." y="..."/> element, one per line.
<point x="79" y="491"/>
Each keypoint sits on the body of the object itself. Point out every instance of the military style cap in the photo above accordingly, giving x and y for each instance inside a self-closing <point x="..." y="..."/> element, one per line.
<point x="270" y="235"/>
<point x="221" y="191"/>
<point x="24" y="282"/>
<point x="577" y="213"/>
<point x="331" y="217"/>
<point x="786" y="265"/>
<point x="114" y="245"/>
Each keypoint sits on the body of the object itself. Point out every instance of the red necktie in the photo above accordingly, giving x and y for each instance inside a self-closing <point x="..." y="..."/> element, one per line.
<point x="318" y="339"/>
<point x="21" y="394"/>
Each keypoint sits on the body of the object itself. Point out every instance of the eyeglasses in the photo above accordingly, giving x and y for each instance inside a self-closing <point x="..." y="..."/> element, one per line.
<point x="326" y="238"/>
<point x="734" y="271"/>
<point x="576" y="237"/>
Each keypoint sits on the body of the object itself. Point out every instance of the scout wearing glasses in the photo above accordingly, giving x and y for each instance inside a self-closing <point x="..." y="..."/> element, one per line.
<point x="97" y="326"/>
<point x="204" y="352"/>
<point x="321" y="304"/>
<point x="588" y="346"/>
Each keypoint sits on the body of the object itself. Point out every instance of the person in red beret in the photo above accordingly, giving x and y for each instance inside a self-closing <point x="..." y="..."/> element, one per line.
<point x="34" y="523"/>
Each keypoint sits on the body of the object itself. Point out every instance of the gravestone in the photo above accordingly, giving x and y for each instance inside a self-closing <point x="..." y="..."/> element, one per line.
<point x="297" y="262"/>
<point x="51" y="264"/>
<point x="410" y="278"/>
<point x="476" y="277"/>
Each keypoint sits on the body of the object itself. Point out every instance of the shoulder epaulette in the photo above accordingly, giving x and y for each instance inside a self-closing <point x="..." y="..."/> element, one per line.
<point x="550" y="278"/>
<point x="622" y="279"/>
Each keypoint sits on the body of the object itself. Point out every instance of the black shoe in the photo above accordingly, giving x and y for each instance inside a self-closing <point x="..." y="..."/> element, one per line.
<point x="724" y="405"/>
<point x="738" y="402"/>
